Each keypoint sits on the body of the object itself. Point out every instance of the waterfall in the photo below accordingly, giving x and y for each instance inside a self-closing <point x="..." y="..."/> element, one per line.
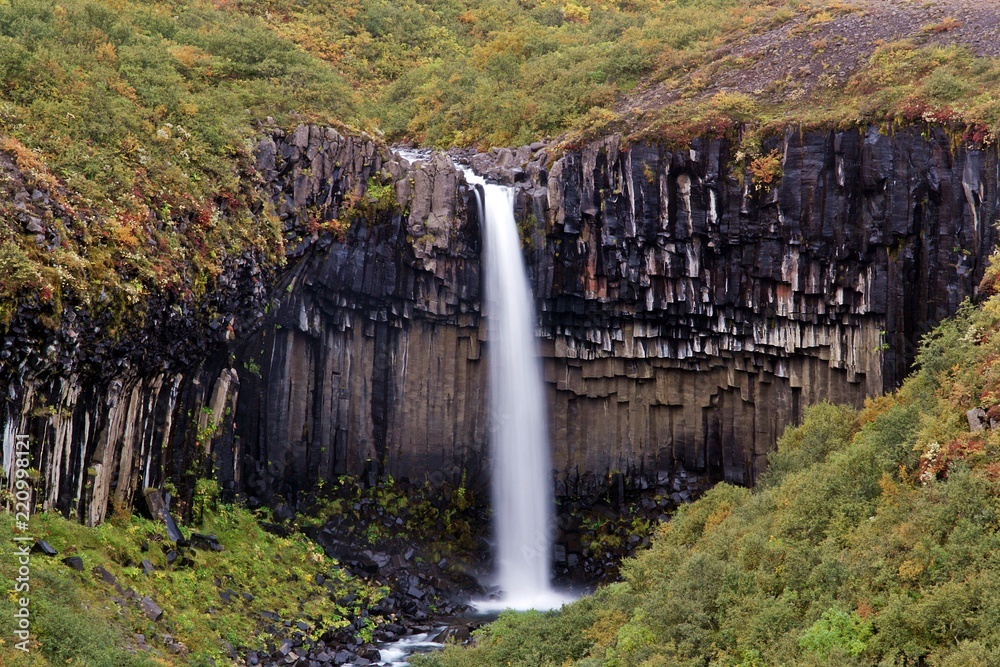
<point x="523" y="499"/>
<point x="522" y="468"/>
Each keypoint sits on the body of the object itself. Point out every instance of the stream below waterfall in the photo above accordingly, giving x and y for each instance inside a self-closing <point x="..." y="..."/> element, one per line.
<point x="397" y="653"/>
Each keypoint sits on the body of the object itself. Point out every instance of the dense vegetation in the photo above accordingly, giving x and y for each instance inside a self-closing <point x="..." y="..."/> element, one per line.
<point x="209" y="598"/>
<point x="126" y="127"/>
<point x="505" y="72"/>
<point x="873" y="539"/>
<point x="126" y="135"/>
<point x="508" y="72"/>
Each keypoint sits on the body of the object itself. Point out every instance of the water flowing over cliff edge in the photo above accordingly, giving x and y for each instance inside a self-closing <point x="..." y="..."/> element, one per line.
<point x="686" y="315"/>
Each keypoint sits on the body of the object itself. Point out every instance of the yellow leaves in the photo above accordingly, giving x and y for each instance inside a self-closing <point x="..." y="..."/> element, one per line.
<point x="991" y="278"/>
<point x="820" y="18"/>
<point x="735" y="105"/>
<point x="575" y="13"/>
<point x="315" y="39"/>
<point x="891" y="489"/>
<point x="876" y="407"/>
<point x="29" y="162"/>
<point x="107" y="54"/>
<point x="123" y="234"/>
<point x="766" y="170"/>
<point x="192" y="60"/>
<point x="720" y="514"/>
<point x="910" y="570"/>
<point x="122" y="88"/>
<point x="947" y="24"/>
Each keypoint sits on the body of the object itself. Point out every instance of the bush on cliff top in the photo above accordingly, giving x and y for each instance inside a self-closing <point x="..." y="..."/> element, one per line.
<point x="873" y="539"/>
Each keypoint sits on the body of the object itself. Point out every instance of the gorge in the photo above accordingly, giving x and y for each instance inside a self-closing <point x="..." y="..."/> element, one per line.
<point x="686" y="316"/>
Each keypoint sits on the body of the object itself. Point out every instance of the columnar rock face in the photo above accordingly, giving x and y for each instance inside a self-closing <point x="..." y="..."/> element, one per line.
<point x="686" y="316"/>
<point x="690" y="316"/>
<point x="374" y="365"/>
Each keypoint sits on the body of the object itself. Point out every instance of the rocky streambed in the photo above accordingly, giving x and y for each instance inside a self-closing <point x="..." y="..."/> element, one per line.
<point x="430" y="547"/>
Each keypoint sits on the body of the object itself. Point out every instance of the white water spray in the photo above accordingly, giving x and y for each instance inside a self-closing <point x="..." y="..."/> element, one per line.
<point x="522" y="468"/>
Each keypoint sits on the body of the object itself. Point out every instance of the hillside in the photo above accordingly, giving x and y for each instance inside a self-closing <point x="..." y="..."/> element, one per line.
<point x="503" y="72"/>
<point x="126" y="135"/>
<point x="126" y="128"/>
<point x="873" y="539"/>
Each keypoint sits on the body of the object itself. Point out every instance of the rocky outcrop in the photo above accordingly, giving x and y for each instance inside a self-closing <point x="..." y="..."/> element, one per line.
<point x="690" y="316"/>
<point x="374" y="363"/>
<point x="686" y="316"/>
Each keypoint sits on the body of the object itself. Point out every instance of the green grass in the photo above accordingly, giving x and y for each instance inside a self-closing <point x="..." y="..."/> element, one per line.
<point x="75" y="620"/>
<point x="503" y="72"/>
<point x="139" y="120"/>
<point x="872" y="540"/>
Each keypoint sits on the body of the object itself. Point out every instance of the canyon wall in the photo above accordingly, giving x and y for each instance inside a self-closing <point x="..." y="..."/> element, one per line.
<point x="686" y="315"/>
<point x="690" y="315"/>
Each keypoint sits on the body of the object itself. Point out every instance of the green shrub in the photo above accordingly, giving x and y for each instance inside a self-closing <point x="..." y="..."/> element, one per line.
<point x="837" y="630"/>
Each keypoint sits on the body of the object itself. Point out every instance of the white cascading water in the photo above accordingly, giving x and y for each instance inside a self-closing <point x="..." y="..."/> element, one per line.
<point x="523" y="502"/>
<point x="522" y="469"/>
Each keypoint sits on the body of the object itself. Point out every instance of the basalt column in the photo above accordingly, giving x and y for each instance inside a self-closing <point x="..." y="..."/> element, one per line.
<point x="690" y="314"/>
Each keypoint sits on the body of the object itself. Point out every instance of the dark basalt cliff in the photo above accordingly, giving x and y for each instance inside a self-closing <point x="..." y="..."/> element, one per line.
<point x="689" y="316"/>
<point x="685" y="316"/>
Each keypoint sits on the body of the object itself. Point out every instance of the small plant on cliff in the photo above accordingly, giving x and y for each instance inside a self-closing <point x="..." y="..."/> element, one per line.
<point x="251" y="365"/>
<point x="526" y="230"/>
<point x="205" y="432"/>
<point x="376" y="206"/>
<point x="205" y="500"/>
<point x="766" y="170"/>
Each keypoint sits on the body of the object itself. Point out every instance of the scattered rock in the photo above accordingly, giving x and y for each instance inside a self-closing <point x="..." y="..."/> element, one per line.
<point x="976" y="418"/>
<point x="206" y="541"/>
<point x="151" y="609"/>
<point x="158" y="505"/>
<point x="74" y="562"/>
<point x="43" y="547"/>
